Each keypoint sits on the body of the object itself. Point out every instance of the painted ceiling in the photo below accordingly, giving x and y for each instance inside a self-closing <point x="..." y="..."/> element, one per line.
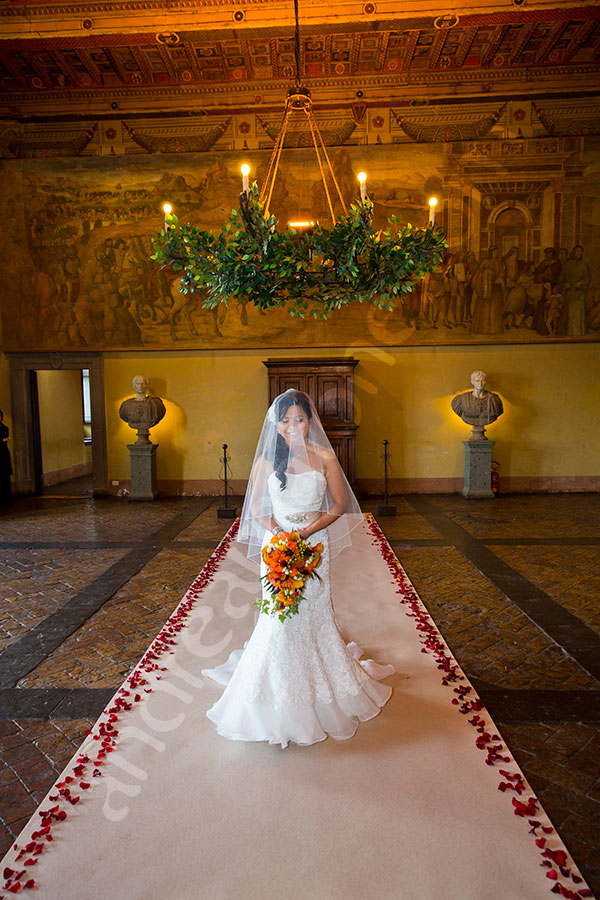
<point x="92" y="59"/>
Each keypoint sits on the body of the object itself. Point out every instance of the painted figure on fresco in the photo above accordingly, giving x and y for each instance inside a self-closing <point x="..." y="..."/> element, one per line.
<point x="574" y="281"/>
<point x="471" y="266"/>
<point x="546" y="276"/>
<point x="553" y="312"/>
<point x="489" y="288"/>
<point x="478" y="407"/>
<point x="517" y="305"/>
<point x="454" y="275"/>
<point x="70" y="271"/>
<point x="511" y="264"/>
<point x="143" y="411"/>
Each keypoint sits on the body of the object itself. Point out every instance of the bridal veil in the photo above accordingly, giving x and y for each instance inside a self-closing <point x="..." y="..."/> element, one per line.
<point x="293" y="441"/>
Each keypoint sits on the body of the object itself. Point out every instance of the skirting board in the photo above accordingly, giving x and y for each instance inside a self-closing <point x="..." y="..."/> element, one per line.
<point x="60" y="475"/>
<point x="519" y="484"/>
<point x="509" y="484"/>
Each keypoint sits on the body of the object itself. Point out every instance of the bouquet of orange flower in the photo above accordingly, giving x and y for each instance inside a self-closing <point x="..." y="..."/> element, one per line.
<point x="290" y="562"/>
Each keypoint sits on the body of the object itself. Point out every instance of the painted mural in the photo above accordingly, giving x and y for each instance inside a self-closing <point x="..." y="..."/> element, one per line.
<point x="523" y="264"/>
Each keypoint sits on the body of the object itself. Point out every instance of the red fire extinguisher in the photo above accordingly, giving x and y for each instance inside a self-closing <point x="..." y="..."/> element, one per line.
<point x="495" y="480"/>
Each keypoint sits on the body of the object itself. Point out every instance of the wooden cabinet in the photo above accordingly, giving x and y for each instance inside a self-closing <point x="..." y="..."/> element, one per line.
<point x="329" y="382"/>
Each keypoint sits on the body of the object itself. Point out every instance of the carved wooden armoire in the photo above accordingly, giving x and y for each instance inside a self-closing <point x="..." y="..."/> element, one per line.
<point x="329" y="382"/>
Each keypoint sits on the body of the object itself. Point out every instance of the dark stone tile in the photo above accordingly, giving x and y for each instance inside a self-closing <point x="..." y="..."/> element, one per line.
<point x="6" y="840"/>
<point x="579" y="641"/>
<point x="541" y="706"/>
<point x="85" y="702"/>
<point x="35" y="703"/>
<point x="582" y="829"/>
<point x="36" y="772"/>
<point x="16" y="803"/>
<point x="28" y="651"/>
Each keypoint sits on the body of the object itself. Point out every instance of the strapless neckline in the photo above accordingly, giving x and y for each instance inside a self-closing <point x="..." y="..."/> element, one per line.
<point x="308" y="472"/>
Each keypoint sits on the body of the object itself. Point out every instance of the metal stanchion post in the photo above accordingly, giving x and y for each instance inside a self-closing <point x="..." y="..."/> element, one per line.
<point x="386" y="508"/>
<point x="226" y="512"/>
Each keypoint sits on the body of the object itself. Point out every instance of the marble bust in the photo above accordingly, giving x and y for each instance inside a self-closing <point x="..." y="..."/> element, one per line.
<point x="143" y="411"/>
<point x="478" y="407"/>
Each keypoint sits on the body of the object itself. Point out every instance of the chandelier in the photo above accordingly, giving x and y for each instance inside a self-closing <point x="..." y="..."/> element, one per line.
<point x="306" y="269"/>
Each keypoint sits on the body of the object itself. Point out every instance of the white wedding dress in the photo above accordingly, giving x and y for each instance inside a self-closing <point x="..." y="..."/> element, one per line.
<point x="297" y="680"/>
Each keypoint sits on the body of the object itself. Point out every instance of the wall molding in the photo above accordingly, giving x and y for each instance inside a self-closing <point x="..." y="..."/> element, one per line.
<point x="521" y="484"/>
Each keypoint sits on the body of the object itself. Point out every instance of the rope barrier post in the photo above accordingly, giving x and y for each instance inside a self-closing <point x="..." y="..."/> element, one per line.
<point x="225" y="512"/>
<point x="386" y="508"/>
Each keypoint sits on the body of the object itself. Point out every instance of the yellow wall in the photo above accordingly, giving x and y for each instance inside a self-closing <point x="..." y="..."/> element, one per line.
<point x="549" y="428"/>
<point x="61" y="420"/>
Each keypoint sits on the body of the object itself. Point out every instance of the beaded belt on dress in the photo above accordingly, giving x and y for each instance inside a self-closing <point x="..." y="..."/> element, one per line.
<point x="308" y="516"/>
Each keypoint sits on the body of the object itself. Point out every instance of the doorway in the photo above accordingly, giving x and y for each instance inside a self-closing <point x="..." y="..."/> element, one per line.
<point x="59" y="425"/>
<point x="63" y="434"/>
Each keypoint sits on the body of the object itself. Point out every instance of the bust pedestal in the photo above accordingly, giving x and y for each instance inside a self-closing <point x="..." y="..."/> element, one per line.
<point x="142" y="460"/>
<point x="478" y="470"/>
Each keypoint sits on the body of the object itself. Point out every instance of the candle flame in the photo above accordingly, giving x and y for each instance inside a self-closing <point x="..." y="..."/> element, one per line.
<point x="433" y="201"/>
<point x="362" y="177"/>
<point x="167" y="208"/>
<point x="245" y="169"/>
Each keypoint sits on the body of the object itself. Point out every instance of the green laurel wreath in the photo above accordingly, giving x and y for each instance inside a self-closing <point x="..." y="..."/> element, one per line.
<point x="313" y="273"/>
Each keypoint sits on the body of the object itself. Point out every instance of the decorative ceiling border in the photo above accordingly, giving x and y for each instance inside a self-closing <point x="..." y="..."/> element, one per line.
<point x="22" y="13"/>
<point x="323" y="85"/>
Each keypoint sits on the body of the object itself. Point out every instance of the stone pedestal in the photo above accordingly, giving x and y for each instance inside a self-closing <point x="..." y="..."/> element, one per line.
<point x="478" y="470"/>
<point x="142" y="459"/>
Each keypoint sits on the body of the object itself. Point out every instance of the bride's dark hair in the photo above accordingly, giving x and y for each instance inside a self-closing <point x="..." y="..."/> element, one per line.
<point x="290" y="398"/>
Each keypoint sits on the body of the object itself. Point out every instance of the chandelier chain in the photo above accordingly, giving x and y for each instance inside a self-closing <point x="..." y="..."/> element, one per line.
<point x="269" y="183"/>
<point x="312" y="126"/>
<point x="297" y="43"/>
<point x="337" y="187"/>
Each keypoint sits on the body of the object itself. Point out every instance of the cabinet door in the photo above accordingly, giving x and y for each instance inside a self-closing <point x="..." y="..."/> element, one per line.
<point x="340" y="448"/>
<point x="331" y="400"/>
<point x="279" y="384"/>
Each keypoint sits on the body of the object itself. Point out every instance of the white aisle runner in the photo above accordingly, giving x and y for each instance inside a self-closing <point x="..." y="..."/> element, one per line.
<point x="405" y="810"/>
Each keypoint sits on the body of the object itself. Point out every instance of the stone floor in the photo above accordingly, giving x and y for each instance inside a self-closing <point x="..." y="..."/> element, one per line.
<point x="513" y="583"/>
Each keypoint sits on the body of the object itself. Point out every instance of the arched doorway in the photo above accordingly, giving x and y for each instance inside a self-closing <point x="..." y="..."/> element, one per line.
<point x="510" y="225"/>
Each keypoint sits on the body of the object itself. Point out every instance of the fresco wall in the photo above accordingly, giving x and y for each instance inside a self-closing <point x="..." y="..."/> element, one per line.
<point x="522" y="217"/>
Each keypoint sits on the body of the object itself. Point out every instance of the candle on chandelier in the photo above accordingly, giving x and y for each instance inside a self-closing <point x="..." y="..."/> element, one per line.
<point x="362" y="178"/>
<point x="167" y="209"/>
<point x="432" y="206"/>
<point x="245" y="173"/>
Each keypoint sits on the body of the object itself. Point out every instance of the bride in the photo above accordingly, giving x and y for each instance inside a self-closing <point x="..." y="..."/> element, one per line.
<point x="297" y="680"/>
